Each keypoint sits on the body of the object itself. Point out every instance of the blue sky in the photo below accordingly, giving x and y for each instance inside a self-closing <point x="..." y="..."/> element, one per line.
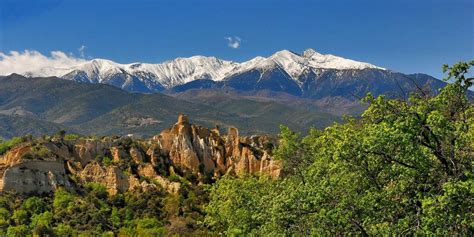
<point x="403" y="35"/>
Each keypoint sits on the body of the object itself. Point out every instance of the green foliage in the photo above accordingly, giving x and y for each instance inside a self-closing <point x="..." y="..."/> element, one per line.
<point x="457" y="197"/>
<point x="20" y="230"/>
<point x="104" y="160"/>
<point x="64" y="230"/>
<point x="4" y="217"/>
<point x="41" y="223"/>
<point x="71" y="136"/>
<point x="35" y="205"/>
<point x="148" y="227"/>
<point x="41" y="151"/>
<point x="403" y="168"/>
<point x="237" y="205"/>
<point x="20" y="217"/>
<point x="97" y="190"/>
<point x="6" y="145"/>
<point x="91" y="211"/>
<point x="115" y="218"/>
<point x="62" y="199"/>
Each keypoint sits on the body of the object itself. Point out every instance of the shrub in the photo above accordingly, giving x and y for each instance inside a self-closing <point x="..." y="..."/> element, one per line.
<point x="21" y="230"/>
<point x="6" y="145"/>
<point x="97" y="189"/>
<point x="71" y="136"/>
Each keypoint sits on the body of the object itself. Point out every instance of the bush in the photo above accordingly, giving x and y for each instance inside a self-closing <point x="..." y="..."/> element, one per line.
<point x="104" y="160"/>
<point x="4" y="218"/>
<point x="97" y="189"/>
<point x="35" y="205"/>
<point x="62" y="199"/>
<point x="71" y="136"/>
<point x="41" y="223"/>
<point x="63" y="230"/>
<point x="20" y="217"/>
<point x="21" y="230"/>
<point x="6" y="145"/>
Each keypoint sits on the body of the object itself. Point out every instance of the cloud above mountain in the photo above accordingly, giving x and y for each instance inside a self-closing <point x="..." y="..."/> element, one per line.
<point x="31" y="60"/>
<point x="82" y="50"/>
<point x="233" y="42"/>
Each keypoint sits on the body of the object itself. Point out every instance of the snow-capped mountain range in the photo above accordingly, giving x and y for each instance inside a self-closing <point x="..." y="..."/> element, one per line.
<point x="309" y="74"/>
<point x="183" y="70"/>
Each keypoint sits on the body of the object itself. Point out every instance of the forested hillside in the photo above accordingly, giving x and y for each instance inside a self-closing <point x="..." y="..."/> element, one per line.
<point x="405" y="167"/>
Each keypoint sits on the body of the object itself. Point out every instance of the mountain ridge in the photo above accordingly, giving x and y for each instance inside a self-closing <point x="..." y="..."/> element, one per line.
<point x="101" y="109"/>
<point x="179" y="71"/>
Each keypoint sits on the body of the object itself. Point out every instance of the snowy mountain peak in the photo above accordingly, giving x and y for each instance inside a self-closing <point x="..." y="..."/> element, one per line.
<point x="183" y="70"/>
<point x="295" y="64"/>
<point x="309" y="53"/>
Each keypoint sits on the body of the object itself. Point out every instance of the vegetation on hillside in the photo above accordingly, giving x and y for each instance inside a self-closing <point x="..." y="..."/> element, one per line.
<point x="93" y="212"/>
<point x="404" y="168"/>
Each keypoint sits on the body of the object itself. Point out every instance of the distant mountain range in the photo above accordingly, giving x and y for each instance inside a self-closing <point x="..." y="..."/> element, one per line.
<point x="307" y="75"/>
<point x="45" y="105"/>
<point x="298" y="90"/>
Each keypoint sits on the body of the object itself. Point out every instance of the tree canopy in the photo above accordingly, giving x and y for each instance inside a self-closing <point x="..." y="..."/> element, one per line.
<point x="403" y="167"/>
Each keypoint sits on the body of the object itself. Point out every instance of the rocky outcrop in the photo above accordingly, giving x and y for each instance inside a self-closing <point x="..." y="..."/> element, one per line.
<point x="194" y="148"/>
<point x="184" y="149"/>
<point x="112" y="177"/>
<point x="149" y="171"/>
<point x="34" y="177"/>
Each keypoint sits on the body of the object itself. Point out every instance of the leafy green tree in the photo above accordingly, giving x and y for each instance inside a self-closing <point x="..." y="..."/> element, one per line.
<point x="62" y="199"/>
<point x="20" y="217"/>
<point x="97" y="190"/>
<point x="115" y="218"/>
<point x="6" y="145"/>
<point x="35" y="205"/>
<point x="41" y="224"/>
<point x="4" y="217"/>
<point x="18" y="231"/>
<point x="451" y="212"/>
<point x="64" y="230"/>
<point x="236" y="206"/>
<point x="404" y="168"/>
<point x="71" y="136"/>
<point x="149" y="227"/>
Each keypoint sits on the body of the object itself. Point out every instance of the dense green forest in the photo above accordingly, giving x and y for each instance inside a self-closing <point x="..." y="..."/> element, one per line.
<point x="405" y="167"/>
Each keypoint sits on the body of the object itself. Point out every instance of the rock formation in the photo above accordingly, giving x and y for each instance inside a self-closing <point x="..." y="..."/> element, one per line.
<point x="194" y="148"/>
<point x="122" y="163"/>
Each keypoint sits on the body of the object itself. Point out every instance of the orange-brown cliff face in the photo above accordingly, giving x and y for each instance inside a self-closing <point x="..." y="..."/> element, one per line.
<point x="185" y="148"/>
<point x="194" y="148"/>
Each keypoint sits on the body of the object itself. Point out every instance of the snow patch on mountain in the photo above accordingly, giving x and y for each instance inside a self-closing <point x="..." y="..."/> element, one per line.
<point x="296" y="64"/>
<point x="174" y="72"/>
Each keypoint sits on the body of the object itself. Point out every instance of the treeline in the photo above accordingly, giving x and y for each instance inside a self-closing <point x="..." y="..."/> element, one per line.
<point x="403" y="168"/>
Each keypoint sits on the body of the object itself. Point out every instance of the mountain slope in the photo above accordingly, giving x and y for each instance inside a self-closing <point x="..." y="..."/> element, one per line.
<point x="323" y="83"/>
<point x="309" y="75"/>
<point x="105" y="110"/>
<point x="14" y="126"/>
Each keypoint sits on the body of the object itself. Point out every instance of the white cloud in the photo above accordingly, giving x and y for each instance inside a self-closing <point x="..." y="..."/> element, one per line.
<point x="37" y="64"/>
<point x="233" y="42"/>
<point x="81" y="51"/>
